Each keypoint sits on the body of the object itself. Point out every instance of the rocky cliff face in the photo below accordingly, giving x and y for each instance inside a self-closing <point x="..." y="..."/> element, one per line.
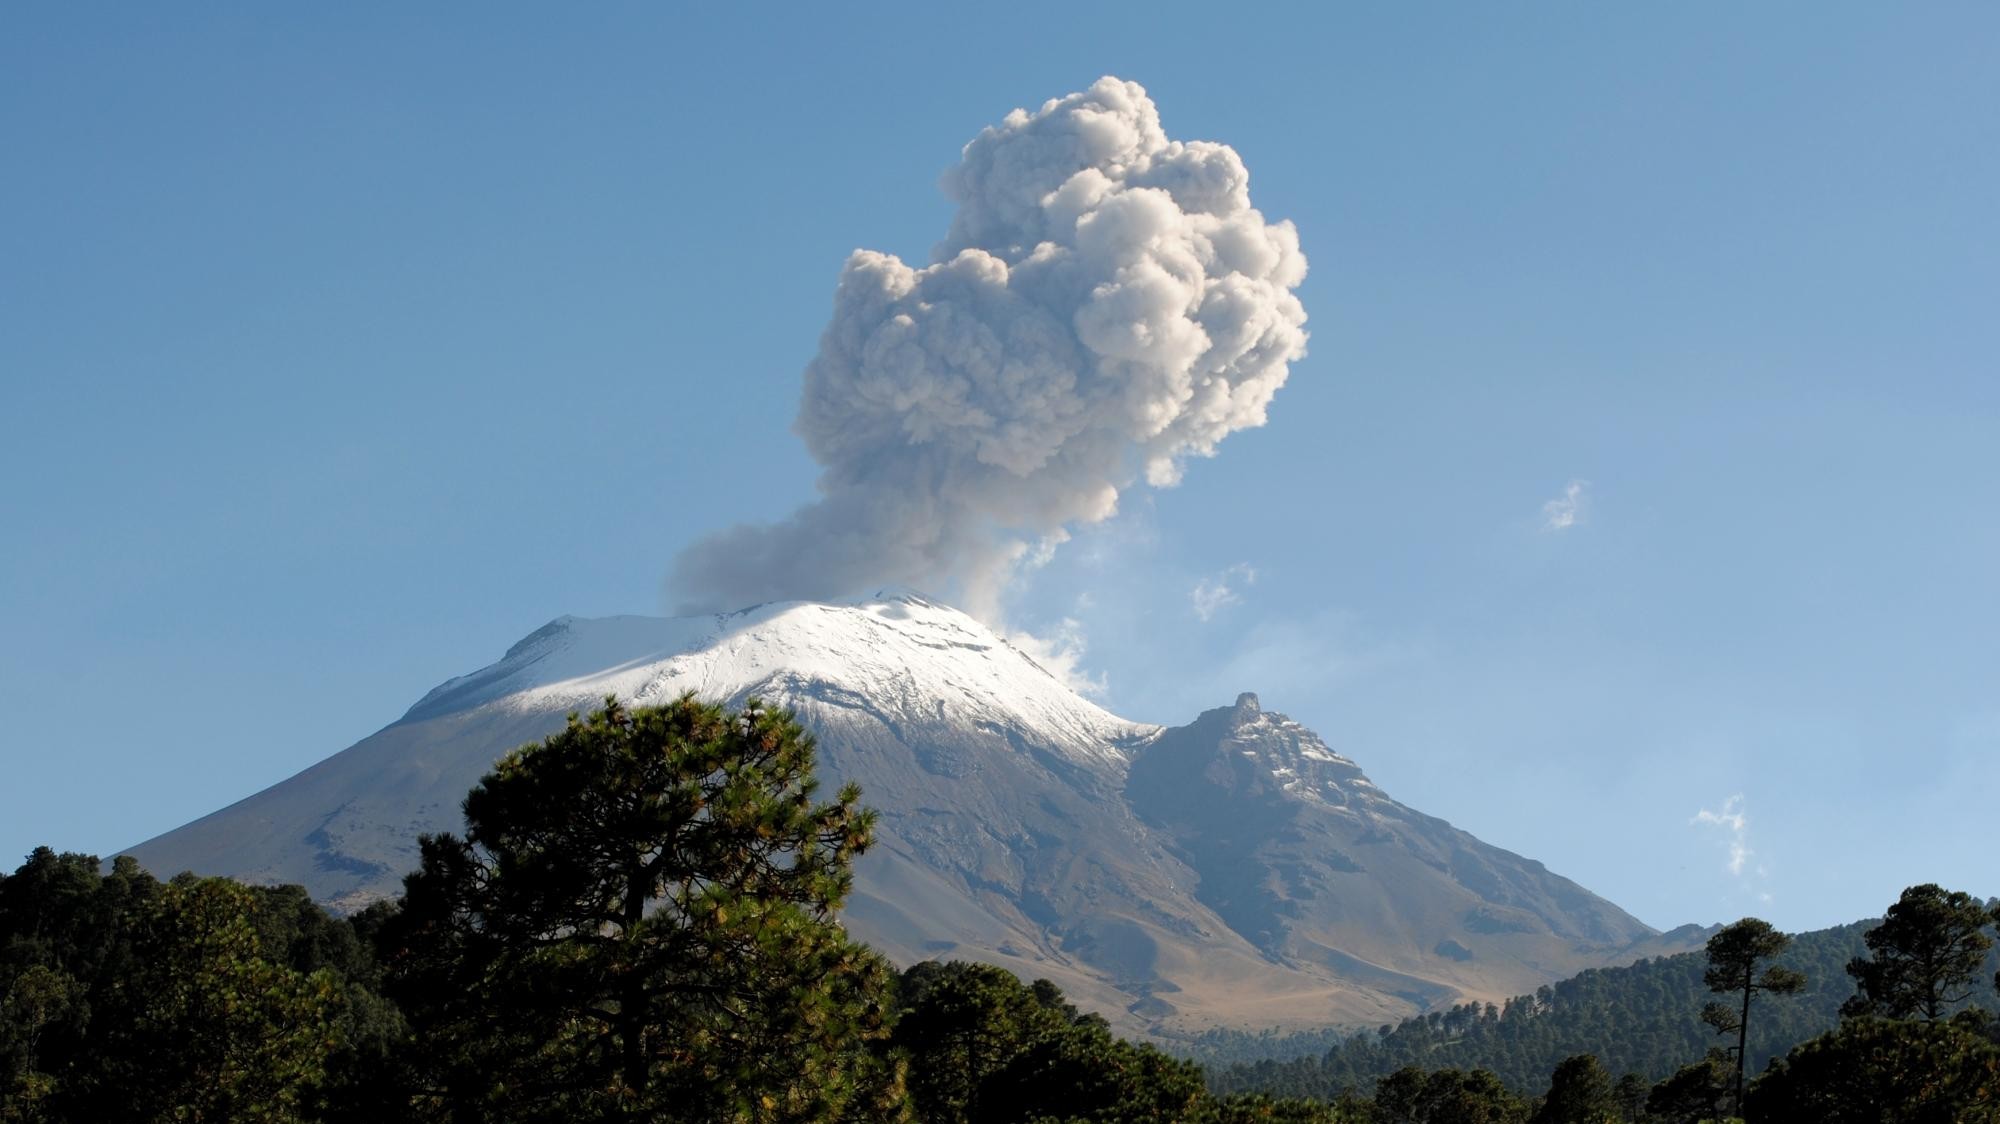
<point x="1305" y="858"/>
<point x="1234" y="871"/>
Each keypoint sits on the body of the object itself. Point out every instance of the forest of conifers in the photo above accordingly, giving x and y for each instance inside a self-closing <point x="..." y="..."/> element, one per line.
<point x="640" y="923"/>
<point x="1643" y="1018"/>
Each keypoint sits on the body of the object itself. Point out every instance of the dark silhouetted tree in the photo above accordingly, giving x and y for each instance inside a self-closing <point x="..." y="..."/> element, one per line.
<point x="639" y="924"/>
<point x="1881" y="1071"/>
<point x="1579" y="1093"/>
<point x="962" y="1024"/>
<point x="210" y="1027"/>
<point x="1924" y="955"/>
<point x="1630" y="1096"/>
<point x="1446" y="1096"/>
<point x="122" y="998"/>
<point x="66" y="933"/>
<point x="1735" y="956"/>
<point x="1695" y="1092"/>
<point x="985" y="1049"/>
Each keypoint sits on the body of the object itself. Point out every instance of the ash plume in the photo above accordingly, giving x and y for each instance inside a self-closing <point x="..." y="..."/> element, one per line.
<point x="1106" y="304"/>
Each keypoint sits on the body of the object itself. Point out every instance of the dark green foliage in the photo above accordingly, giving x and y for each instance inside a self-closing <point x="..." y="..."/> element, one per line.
<point x="208" y="1027"/>
<point x="984" y="1049"/>
<point x="125" y="999"/>
<point x="1739" y="966"/>
<point x="1923" y="957"/>
<point x="1222" y="1049"/>
<point x="639" y="923"/>
<point x="1446" y="1096"/>
<point x="639" y="926"/>
<point x="1256" y="1108"/>
<point x="1879" y="1071"/>
<point x="962" y="1025"/>
<point x="1629" y="1095"/>
<point x="1695" y="1093"/>
<point x="65" y="937"/>
<point x="670" y="864"/>
<point x="1580" y="1092"/>
<point x="1643" y="1018"/>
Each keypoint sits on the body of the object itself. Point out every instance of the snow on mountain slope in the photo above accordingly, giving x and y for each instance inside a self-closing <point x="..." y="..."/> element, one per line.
<point x="899" y="650"/>
<point x="1234" y="871"/>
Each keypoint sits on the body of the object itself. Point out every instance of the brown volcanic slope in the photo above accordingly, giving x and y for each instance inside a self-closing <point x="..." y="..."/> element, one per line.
<point x="1230" y="872"/>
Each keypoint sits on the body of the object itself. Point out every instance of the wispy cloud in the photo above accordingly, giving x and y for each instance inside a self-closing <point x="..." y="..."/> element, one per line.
<point x="1566" y="510"/>
<point x="1060" y="649"/>
<point x="1734" y="824"/>
<point x="1211" y="594"/>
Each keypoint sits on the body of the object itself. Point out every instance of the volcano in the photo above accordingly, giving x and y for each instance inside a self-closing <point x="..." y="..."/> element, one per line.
<point x="1235" y="871"/>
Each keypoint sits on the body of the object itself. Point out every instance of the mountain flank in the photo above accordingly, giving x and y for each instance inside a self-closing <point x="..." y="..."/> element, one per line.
<point x="1232" y="872"/>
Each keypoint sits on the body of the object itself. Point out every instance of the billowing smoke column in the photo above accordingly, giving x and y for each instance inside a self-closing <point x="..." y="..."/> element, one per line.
<point x="1106" y="303"/>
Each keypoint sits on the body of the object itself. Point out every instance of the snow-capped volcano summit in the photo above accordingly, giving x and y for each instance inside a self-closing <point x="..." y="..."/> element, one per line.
<point x="902" y="652"/>
<point x="1234" y="871"/>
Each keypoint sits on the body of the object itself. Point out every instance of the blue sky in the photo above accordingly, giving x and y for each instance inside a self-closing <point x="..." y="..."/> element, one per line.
<point x="341" y="348"/>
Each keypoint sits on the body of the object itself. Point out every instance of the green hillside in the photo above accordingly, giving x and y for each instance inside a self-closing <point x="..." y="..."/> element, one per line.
<point x="1644" y="1018"/>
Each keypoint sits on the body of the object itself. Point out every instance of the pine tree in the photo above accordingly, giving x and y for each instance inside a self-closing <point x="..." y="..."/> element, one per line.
<point x="1630" y="1096"/>
<point x="1446" y="1096"/>
<point x="1924" y="955"/>
<point x="1579" y="1093"/>
<point x="207" y="1027"/>
<point x="1734" y="955"/>
<point x="984" y="1049"/>
<point x="1695" y="1092"/>
<point x="639" y="923"/>
<point x="1880" y="1071"/>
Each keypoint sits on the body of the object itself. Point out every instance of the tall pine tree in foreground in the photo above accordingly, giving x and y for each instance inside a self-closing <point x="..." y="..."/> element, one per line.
<point x="1924" y="955"/>
<point x="1883" y="1071"/>
<point x="1734" y="956"/>
<point x="639" y="925"/>
<point x="1895" y="1059"/>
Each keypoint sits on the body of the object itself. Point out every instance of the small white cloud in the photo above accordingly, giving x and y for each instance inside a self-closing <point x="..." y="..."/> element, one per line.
<point x="1211" y="594"/>
<point x="1060" y="651"/>
<point x="1734" y="823"/>
<point x="1566" y="510"/>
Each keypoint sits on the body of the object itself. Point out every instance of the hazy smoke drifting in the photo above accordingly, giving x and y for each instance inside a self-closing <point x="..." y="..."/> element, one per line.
<point x="1106" y="303"/>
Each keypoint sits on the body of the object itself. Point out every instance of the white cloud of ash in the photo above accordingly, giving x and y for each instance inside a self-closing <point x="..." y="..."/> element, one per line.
<point x="1106" y="304"/>
<point x="1566" y="510"/>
